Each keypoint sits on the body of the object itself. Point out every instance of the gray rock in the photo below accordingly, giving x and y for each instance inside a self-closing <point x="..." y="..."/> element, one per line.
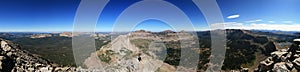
<point x="1" y="58"/>
<point x="289" y="65"/>
<point x="296" y="40"/>
<point x="9" y="54"/>
<point x="267" y="62"/>
<point x="5" y="46"/>
<point x="280" y="67"/>
<point x="296" y="62"/>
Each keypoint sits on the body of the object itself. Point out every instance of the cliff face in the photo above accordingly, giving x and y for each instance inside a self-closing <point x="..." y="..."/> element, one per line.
<point x="12" y="59"/>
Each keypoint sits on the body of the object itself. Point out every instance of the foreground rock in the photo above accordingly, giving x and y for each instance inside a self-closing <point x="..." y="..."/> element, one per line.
<point x="284" y="60"/>
<point x="12" y="59"/>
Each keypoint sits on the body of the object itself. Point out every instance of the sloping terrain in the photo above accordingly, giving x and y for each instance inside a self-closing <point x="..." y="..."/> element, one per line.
<point x="245" y="49"/>
<point x="56" y="49"/>
<point x="12" y="59"/>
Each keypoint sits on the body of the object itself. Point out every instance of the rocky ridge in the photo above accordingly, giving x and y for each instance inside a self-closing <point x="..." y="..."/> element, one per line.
<point x="122" y="56"/>
<point x="13" y="59"/>
<point x="139" y="51"/>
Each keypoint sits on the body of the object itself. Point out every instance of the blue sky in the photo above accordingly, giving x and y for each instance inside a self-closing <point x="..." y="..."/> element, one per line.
<point x="58" y="15"/>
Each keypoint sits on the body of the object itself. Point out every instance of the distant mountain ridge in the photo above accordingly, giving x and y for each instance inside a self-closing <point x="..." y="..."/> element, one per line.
<point x="278" y="31"/>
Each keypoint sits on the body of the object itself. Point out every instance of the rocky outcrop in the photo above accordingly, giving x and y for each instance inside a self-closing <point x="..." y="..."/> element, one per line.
<point x="13" y="59"/>
<point x="284" y="60"/>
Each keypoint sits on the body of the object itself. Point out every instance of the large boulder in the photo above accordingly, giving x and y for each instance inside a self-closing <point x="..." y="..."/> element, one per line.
<point x="5" y="46"/>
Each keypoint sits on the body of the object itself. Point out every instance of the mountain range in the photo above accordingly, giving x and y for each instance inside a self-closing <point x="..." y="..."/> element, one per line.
<point x="245" y="50"/>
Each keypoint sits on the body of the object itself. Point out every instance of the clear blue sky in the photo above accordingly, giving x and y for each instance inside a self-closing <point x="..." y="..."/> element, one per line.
<point x="58" y="15"/>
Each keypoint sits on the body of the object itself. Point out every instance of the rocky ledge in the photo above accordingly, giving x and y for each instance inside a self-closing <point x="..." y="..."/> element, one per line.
<point x="13" y="59"/>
